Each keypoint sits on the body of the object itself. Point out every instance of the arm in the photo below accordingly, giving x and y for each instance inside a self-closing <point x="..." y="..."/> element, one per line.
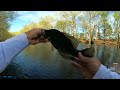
<point x="13" y="46"/>
<point x="10" y="48"/>
<point x="104" y="73"/>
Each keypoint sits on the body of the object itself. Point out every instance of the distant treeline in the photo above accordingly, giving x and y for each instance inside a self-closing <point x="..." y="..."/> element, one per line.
<point x="86" y="25"/>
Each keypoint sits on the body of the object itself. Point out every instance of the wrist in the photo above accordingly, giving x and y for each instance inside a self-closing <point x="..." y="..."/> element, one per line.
<point x="28" y="38"/>
<point x="95" y="70"/>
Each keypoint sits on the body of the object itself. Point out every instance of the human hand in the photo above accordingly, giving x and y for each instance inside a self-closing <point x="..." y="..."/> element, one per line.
<point x="35" y="36"/>
<point x="87" y="66"/>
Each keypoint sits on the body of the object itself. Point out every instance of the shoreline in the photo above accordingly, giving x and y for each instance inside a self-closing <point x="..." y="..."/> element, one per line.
<point x="99" y="42"/>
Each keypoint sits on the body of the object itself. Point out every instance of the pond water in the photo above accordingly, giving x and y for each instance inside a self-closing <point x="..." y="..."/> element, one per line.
<point x="42" y="61"/>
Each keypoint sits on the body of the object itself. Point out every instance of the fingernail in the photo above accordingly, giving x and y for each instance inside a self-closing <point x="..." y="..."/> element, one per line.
<point x="79" y="54"/>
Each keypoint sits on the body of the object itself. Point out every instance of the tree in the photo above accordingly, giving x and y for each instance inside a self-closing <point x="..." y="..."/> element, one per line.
<point x="104" y="21"/>
<point x="5" y="18"/>
<point x="116" y="16"/>
<point x="87" y="20"/>
<point x="71" y="17"/>
<point x="97" y="26"/>
<point x="46" y="22"/>
<point x="108" y="31"/>
<point x="62" y="25"/>
<point x="25" y="28"/>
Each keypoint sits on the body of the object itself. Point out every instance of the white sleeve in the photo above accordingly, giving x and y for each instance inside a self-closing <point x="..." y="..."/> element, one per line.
<point x="10" y="48"/>
<point x="104" y="73"/>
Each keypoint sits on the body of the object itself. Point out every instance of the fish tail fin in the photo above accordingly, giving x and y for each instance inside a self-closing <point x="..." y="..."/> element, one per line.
<point x="88" y="52"/>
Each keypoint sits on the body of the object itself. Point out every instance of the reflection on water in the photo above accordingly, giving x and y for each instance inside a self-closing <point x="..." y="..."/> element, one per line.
<point x="42" y="61"/>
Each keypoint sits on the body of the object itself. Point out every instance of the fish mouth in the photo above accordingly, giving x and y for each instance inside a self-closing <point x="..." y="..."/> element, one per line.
<point x="44" y="35"/>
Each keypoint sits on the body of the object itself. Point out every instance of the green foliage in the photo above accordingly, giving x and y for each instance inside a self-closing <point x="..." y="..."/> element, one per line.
<point x="108" y="31"/>
<point x="88" y="23"/>
<point x="44" y="23"/>
<point x="62" y="25"/>
<point x="116" y="16"/>
<point x="5" y="18"/>
<point x="69" y="17"/>
<point x="94" y="23"/>
<point x="104" y="21"/>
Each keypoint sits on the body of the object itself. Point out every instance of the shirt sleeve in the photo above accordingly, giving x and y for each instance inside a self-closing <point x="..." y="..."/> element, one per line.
<point x="104" y="73"/>
<point x="10" y="48"/>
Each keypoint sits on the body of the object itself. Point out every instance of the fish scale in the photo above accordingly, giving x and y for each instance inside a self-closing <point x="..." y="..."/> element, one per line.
<point x="64" y="45"/>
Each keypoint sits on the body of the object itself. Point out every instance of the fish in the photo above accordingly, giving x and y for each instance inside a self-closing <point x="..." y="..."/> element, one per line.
<point x="66" y="44"/>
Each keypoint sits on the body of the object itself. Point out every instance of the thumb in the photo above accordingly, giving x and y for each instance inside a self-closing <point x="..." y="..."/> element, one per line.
<point x="82" y="58"/>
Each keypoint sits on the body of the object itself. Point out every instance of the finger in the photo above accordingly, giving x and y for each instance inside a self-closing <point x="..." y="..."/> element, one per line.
<point x="79" y="60"/>
<point x="75" y="59"/>
<point x="33" y="42"/>
<point x="79" y="66"/>
<point x="43" y="40"/>
<point x="76" y="65"/>
<point x="39" y="31"/>
<point x="42" y="32"/>
<point x="37" y="41"/>
<point x="82" y="69"/>
<point x="82" y="58"/>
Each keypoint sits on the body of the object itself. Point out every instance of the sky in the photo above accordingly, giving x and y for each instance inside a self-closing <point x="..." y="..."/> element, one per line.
<point x="26" y="17"/>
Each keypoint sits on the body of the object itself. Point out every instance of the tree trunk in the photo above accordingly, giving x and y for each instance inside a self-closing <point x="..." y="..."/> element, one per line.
<point x="97" y="34"/>
<point x="118" y="38"/>
<point x="84" y="35"/>
<point x="90" y="38"/>
<point x="104" y="35"/>
<point x="92" y="42"/>
<point x="109" y="38"/>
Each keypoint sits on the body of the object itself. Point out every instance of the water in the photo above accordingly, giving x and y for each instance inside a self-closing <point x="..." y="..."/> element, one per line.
<point x="42" y="61"/>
